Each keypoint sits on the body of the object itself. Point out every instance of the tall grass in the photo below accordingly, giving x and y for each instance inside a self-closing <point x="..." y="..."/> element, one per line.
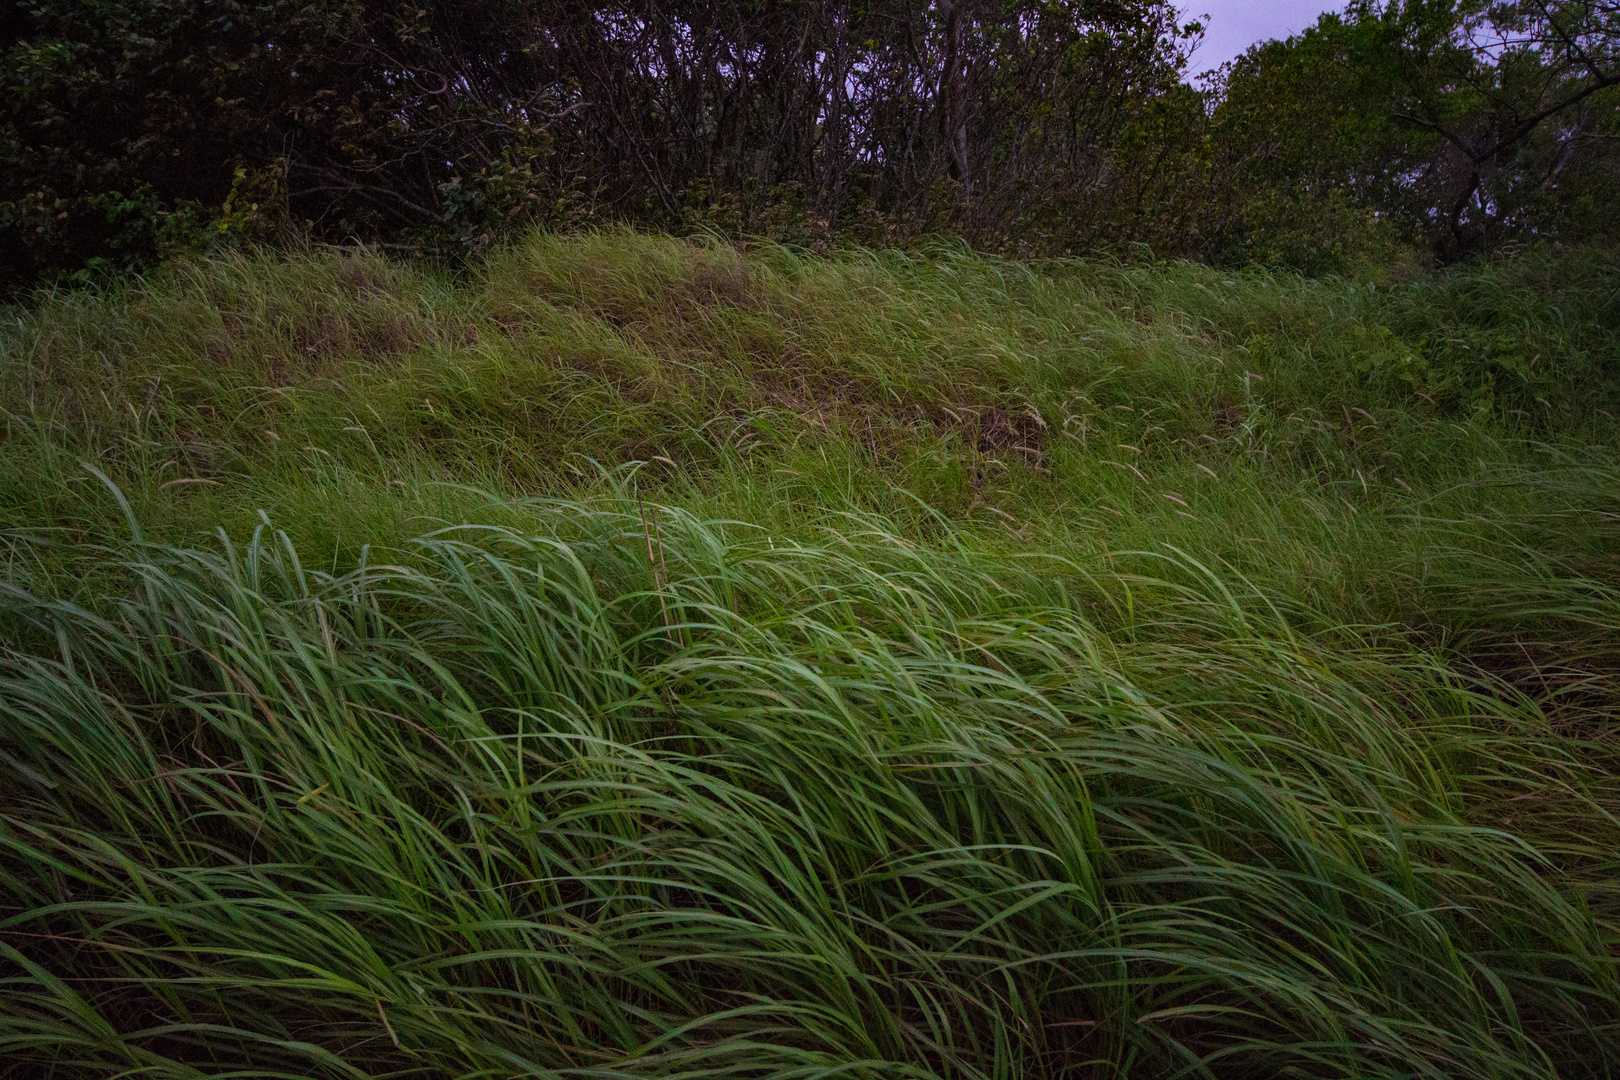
<point x="857" y="806"/>
<point x="636" y="658"/>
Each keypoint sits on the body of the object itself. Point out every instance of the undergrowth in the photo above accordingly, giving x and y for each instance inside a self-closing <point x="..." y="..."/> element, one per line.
<point x="633" y="657"/>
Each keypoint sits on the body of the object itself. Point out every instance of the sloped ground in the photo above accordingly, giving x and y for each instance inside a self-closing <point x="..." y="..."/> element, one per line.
<point x="639" y="658"/>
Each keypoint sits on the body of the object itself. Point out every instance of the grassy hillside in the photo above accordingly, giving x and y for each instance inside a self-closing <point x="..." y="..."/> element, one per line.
<point x="632" y="657"/>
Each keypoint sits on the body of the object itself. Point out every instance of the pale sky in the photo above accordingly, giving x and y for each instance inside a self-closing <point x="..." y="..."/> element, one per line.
<point x="1234" y="25"/>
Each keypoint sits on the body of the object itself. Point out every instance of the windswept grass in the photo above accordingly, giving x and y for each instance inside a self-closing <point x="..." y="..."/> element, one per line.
<point x="638" y="658"/>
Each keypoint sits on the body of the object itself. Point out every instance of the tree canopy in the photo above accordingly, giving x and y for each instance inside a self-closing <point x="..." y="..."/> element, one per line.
<point x="132" y="128"/>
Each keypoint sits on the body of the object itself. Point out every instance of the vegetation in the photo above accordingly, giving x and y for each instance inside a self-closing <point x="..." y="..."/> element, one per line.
<point x="1408" y="129"/>
<point x="631" y="656"/>
<point x="1457" y="126"/>
<point x="600" y="655"/>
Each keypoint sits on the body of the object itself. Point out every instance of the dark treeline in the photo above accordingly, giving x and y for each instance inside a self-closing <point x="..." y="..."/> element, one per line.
<point x="130" y="129"/>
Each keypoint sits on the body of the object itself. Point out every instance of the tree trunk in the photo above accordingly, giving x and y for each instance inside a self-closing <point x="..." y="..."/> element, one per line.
<point x="953" y="95"/>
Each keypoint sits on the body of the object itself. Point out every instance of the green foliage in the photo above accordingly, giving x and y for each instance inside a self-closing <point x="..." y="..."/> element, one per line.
<point x="536" y="805"/>
<point x="663" y="658"/>
<point x="131" y="131"/>
<point x="1390" y="133"/>
<point x="1453" y="125"/>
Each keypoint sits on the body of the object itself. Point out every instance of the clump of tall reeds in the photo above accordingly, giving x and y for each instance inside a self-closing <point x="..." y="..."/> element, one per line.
<point x="674" y="660"/>
<point x="543" y="803"/>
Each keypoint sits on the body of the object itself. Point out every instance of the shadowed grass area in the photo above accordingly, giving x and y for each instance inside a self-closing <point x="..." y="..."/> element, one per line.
<point x="644" y="658"/>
